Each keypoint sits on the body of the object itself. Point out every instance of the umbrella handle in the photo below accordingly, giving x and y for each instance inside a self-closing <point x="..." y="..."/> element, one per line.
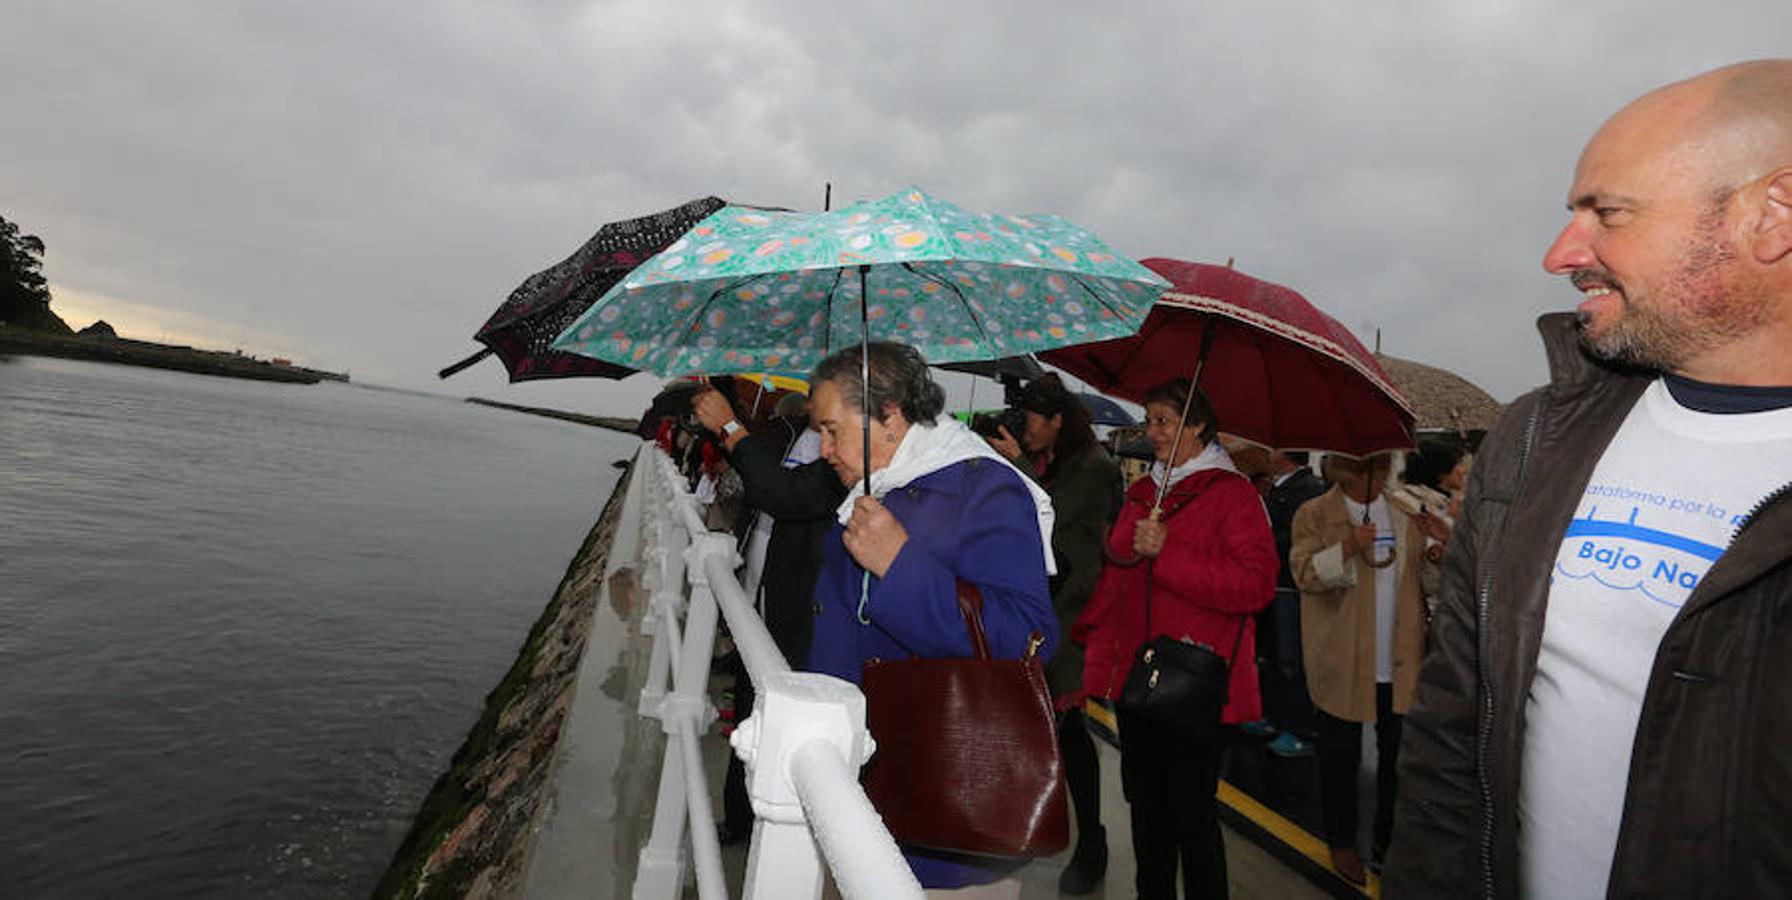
<point x="464" y="363"/>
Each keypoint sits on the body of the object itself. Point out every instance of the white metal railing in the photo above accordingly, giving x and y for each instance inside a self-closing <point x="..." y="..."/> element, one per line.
<point x="802" y="746"/>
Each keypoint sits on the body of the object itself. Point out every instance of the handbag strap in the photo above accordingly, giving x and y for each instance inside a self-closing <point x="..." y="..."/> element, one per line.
<point x="970" y="606"/>
<point x="1150" y="564"/>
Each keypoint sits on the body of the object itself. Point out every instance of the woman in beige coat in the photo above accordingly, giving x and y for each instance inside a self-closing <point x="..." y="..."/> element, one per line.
<point x="1359" y="562"/>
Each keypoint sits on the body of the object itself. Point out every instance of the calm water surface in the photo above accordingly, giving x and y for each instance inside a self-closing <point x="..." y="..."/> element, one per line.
<point x="243" y="626"/>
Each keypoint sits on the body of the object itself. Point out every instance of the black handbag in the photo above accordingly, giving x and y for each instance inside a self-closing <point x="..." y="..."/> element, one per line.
<point x="1178" y="686"/>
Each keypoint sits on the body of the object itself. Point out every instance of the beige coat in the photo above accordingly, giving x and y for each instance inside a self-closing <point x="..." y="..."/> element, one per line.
<point x="1337" y="609"/>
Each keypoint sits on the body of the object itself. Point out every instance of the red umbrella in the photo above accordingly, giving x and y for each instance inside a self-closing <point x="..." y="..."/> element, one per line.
<point x="1279" y="371"/>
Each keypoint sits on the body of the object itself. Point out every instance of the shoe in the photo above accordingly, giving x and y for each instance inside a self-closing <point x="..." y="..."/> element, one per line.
<point x="1088" y="865"/>
<point x="1259" y="728"/>
<point x="1349" y="865"/>
<point x="1287" y="746"/>
<point x="729" y="834"/>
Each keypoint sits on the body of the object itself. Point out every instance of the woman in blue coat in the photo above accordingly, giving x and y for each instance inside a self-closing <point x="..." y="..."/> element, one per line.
<point x="944" y="506"/>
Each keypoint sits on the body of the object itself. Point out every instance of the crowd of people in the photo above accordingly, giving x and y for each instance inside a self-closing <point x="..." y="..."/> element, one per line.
<point x="1541" y="729"/>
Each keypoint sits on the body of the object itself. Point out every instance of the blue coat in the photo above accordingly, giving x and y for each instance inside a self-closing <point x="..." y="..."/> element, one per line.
<point x="973" y="520"/>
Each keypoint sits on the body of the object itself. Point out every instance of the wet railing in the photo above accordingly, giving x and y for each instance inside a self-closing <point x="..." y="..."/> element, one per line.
<point x="803" y="745"/>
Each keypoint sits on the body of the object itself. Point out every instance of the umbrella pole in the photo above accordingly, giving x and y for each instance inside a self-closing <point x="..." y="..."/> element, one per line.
<point x="865" y="420"/>
<point x="865" y="369"/>
<point x="1163" y="487"/>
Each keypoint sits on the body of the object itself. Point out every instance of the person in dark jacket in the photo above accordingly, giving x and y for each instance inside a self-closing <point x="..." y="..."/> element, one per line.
<point x="1604" y="708"/>
<point x="1057" y="449"/>
<point x="801" y="499"/>
<point x="1286" y="703"/>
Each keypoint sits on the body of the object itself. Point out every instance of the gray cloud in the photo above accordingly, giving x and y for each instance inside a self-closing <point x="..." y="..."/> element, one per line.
<point x="362" y="185"/>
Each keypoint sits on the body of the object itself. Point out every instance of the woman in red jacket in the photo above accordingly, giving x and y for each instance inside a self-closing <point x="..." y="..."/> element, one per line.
<point x="1210" y="562"/>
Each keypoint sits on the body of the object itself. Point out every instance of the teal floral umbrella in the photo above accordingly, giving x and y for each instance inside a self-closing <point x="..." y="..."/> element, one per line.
<point x="750" y="289"/>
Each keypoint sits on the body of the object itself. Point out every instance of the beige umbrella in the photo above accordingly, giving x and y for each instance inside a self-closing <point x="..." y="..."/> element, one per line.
<point x="1441" y="400"/>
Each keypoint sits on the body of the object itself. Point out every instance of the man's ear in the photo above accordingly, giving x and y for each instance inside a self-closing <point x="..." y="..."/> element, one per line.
<point x="1771" y="240"/>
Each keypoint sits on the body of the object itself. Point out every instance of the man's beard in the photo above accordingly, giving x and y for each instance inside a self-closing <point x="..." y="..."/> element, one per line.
<point x="1698" y="309"/>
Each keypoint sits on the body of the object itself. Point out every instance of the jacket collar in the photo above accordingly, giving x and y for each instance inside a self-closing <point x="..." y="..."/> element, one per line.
<point x="1570" y="366"/>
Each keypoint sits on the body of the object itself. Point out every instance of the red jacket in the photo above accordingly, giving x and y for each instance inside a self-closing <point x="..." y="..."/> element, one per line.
<point x="1217" y="569"/>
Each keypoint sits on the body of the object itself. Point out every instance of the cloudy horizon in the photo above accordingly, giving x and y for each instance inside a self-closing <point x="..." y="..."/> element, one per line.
<point x="358" y="187"/>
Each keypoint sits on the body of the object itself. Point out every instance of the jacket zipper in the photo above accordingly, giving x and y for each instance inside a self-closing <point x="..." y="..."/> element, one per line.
<point x="1760" y="507"/>
<point x="1484" y="736"/>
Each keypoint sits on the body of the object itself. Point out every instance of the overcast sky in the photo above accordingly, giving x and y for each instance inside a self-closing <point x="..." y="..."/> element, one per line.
<point x="358" y="185"/>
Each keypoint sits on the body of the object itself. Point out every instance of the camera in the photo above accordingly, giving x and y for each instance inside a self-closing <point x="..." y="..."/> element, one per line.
<point x="987" y="424"/>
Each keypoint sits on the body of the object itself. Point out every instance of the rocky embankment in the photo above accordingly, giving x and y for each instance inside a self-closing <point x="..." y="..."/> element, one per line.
<point x="101" y="348"/>
<point x="471" y="838"/>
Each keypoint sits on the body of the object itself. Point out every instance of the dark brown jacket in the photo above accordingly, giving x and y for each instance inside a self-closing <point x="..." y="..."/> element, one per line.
<point x="1708" y="811"/>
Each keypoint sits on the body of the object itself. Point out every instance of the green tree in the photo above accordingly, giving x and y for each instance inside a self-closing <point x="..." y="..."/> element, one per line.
<point x="24" y="292"/>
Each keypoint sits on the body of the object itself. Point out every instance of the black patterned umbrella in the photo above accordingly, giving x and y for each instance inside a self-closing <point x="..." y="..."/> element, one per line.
<point x="520" y="331"/>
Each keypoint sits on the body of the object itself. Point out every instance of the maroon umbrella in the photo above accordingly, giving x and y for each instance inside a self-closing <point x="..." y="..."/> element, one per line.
<point x="1279" y="371"/>
<point x="548" y="301"/>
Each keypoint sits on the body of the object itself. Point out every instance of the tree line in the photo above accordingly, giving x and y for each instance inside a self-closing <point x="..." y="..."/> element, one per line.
<point x="24" y="292"/>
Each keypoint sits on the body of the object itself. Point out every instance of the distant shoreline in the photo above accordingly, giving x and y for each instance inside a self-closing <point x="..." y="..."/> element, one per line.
<point x="611" y="422"/>
<point x="157" y="356"/>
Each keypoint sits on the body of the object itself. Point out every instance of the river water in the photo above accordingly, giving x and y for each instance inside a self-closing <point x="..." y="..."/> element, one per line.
<point x="243" y="626"/>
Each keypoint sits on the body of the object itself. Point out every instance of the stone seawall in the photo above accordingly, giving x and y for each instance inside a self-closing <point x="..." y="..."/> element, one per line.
<point x="473" y="834"/>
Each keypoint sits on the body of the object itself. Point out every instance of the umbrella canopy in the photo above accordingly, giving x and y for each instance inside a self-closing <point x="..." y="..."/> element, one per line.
<point x="524" y="326"/>
<point x="1279" y="371"/>
<point x="1103" y="411"/>
<point x="749" y="289"/>
<point x="1441" y="399"/>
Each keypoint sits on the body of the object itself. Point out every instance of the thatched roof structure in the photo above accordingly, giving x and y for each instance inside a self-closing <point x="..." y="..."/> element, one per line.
<point x="1442" y="400"/>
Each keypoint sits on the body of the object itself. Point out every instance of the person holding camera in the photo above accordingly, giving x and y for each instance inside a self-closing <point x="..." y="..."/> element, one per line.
<point x="1056" y="447"/>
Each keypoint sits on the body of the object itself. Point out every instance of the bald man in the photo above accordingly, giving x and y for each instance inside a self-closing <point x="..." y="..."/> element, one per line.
<point x="1606" y="709"/>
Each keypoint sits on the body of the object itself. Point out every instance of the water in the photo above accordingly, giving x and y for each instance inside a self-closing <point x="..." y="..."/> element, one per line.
<point x="243" y="626"/>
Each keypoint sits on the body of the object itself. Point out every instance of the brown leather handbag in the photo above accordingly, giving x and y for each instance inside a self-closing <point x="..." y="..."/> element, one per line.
<point x="967" y="754"/>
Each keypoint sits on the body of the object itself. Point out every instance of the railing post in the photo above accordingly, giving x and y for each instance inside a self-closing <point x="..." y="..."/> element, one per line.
<point x="792" y="708"/>
<point x="661" y="867"/>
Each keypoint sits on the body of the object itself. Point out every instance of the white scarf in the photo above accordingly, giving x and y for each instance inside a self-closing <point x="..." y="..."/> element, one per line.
<point x="1213" y="456"/>
<point x="926" y="449"/>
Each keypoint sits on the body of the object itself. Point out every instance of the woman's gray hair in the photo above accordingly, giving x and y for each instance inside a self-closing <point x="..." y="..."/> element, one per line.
<point x="899" y="379"/>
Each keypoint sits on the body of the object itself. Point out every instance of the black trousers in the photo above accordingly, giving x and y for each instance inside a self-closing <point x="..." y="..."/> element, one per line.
<point x="1282" y="670"/>
<point x="1082" y="772"/>
<point x="1170" y="784"/>
<point x="1340" y="749"/>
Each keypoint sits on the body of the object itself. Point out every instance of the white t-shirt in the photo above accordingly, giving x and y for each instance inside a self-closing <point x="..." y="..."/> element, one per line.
<point x="1662" y="505"/>
<point x="1387" y="583"/>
